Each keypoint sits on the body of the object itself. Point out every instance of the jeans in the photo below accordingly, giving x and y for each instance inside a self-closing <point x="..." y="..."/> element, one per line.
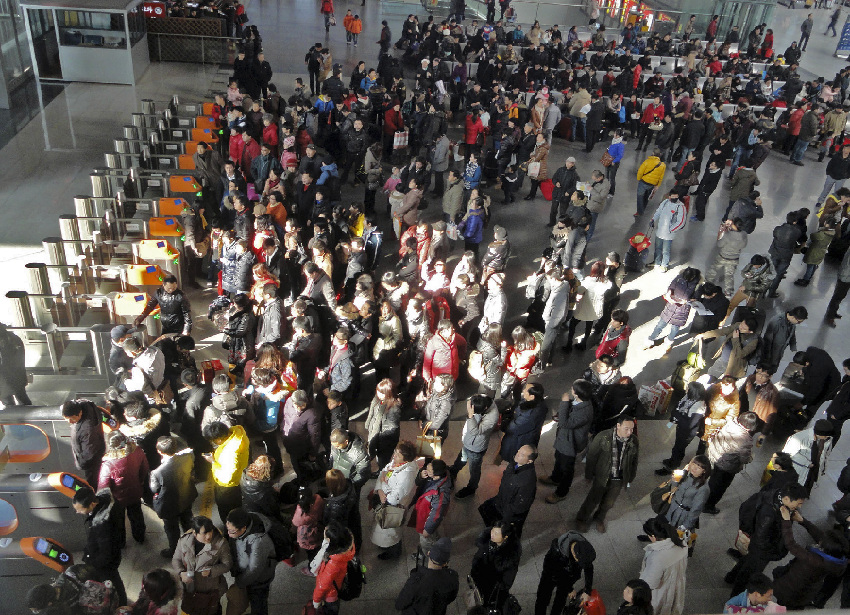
<point x="799" y="150"/>
<point x="838" y="296"/>
<point x="563" y="473"/>
<point x="685" y="152"/>
<point x="740" y="150"/>
<point x="662" y="252"/>
<point x="659" y="327"/>
<point x="781" y="267"/>
<point x="831" y="26"/>
<point x="830" y="184"/>
<point x="643" y="191"/>
<point x="466" y="456"/>
<point x="575" y="122"/>
<point x="612" y="176"/>
<point x="810" y="271"/>
<point x="593" y="216"/>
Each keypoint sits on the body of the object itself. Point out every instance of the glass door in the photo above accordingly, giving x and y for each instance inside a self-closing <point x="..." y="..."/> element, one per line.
<point x="44" y="43"/>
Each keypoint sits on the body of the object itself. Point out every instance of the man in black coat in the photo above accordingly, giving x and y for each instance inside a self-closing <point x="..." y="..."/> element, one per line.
<point x="87" y="442"/>
<point x="516" y="491"/>
<point x="13" y="373"/>
<point x="433" y="587"/>
<point x="174" y="311"/>
<point x="564" y="184"/>
<point x="692" y="135"/>
<point x="305" y="199"/>
<point x="261" y="72"/>
<point x="838" y="410"/>
<point x="707" y="186"/>
<point x="765" y="530"/>
<point x="568" y="557"/>
<point x="593" y="125"/>
<point x="104" y="535"/>
<point x="173" y="488"/>
<point x="820" y="378"/>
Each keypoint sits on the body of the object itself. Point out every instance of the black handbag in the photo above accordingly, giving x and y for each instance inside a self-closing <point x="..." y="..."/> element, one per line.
<point x="657" y="500"/>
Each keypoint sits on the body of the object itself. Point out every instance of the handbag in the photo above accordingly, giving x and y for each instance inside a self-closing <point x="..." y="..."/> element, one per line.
<point x="429" y="445"/>
<point x="201" y="603"/>
<point x="659" y="498"/>
<point x="388" y="516"/>
<point x="472" y="597"/>
<point x="742" y="542"/>
<point x="607" y="159"/>
<point x="655" y="126"/>
<point x="451" y="231"/>
<point x="332" y="20"/>
<point x="400" y="139"/>
<point x="533" y="169"/>
<point x="692" y="180"/>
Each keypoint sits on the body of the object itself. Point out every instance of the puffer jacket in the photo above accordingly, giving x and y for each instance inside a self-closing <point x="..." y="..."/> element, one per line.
<point x="592" y="300"/>
<point x="677" y="313"/>
<point x="309" y="532"/>
<point x="253" y="553"/>
<point x="229" y="408"/>
<point x="441" y="357"/>
<point x="496" y="257"/>
<point x="145" y="432"/>
<point x="230" y="458"/>
<point x="808" y="126"/>
<point x="524" y="428"/>
<point x="541" y="155"/>
<point x="352" y="460"/>
<point x="432" y="504"/>
<point x="125" y="472"/>
<point x="438" y="408"/>
<point x="493" y="358"/>
<point x="340" y="507"/>
<point x="104" y="533"/>
<point x="719" y="410"/>
<point x="518" y="363"/>
<point x="731" y="448"/>
<point x="240" y="335"/>
<point x="389" y="338"/>
<point x="599" y="191"/>
<point x="331" y="575"/>
<point x="259" y="496"/>
<point x="214" y="557"/>
<point x="743" y="182"/>
<point x="236" y="270"/>
<point x="651" y="171"/>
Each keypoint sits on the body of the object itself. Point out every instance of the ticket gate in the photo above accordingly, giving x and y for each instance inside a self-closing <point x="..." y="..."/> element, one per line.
<point x="34" y="439"/>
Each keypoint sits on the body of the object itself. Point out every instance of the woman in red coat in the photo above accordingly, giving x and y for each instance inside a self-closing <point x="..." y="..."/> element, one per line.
<point x="474" y="127"/>
<point x="393" y="122"/>
<point x="327" y="9"/>
<point x="334" y="565"/>
<point x="125" y="472"/>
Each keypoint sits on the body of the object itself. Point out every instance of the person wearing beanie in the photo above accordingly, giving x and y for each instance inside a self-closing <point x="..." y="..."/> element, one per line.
<point x="119" y="362"/>
<point x="809" y="450"/>
<point x="433" y="587"/>
<point x="569" y="556"/>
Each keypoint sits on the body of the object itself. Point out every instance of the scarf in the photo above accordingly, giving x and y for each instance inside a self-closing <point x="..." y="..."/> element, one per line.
<point x="617" y="456"/>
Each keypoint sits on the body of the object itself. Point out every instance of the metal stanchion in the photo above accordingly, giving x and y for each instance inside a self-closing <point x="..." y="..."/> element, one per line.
<point x="21" y="309"/>
<point x="55" y="249"/>
<point x="69" y="230"/>
<point x="40" y="286"/>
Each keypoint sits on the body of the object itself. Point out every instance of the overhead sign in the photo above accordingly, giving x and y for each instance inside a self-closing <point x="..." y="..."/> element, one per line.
<point x="153" y="9"/>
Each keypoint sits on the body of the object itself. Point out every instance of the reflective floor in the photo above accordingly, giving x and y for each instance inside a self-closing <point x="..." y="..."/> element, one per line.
<point x="49" y="161"/>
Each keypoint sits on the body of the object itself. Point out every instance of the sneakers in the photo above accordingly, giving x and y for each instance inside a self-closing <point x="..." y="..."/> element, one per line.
<point x="801" y="282"/>
<point x="554" y="498"/>
<point x="797" y="163"/>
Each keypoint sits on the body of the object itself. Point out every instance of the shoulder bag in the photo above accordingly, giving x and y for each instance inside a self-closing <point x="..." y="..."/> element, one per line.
<point x="429" y="445"/>
<point x="659" y="498"/>
<point x="388" y="516"/>
<point x="607" y="159"/>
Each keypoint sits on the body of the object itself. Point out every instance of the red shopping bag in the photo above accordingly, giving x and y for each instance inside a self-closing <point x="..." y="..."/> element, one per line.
<point x="546" y="187"/>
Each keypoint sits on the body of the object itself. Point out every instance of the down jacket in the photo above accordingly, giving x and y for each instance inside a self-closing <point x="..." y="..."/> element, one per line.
<point x="477" y="430"/>
<point x="541" y="155"/>
<point x="524" y="428"/>
<point x="308" y="525"/>
<point x="399" y="485"/>
<point x="253" y="552"/>
<point x="125" y="472"/>
<point x="677" y="313"/>
<point x="664" y="568"/>
<point x="442" y="356"/>
<point x="432" y="504"/>
<point x="331" y="574"/>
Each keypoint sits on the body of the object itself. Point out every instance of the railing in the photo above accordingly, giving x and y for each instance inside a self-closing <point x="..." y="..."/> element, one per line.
<point x="191" y="48"/>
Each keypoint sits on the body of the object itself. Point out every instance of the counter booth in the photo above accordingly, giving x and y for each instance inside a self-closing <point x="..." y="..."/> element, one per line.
<point x="96" y="41"/>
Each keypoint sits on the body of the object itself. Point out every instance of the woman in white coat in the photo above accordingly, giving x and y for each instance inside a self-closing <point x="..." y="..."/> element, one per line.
<point x="801" y="447"/>
<point x="665" y="564"/>
<point x="396" y="486"/>
<point x="591" y="300"/>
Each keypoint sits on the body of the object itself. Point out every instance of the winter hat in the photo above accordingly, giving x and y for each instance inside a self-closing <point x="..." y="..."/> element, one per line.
<point x="823" y="428"/>
<point x="585" y="553"/>
<point x="441" y="551"/>
<point x="499" y="232"/>
<point x="571" y="159"/>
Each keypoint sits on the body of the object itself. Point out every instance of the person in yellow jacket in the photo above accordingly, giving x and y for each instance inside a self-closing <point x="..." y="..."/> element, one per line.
<point x="229" y="460"/>
<point x="649" y="176"/>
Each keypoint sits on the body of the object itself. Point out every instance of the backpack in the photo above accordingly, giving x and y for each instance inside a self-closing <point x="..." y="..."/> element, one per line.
<point x="355" y="579"/>
<point x="749" y="509"/>
<point x="282" y="540"/>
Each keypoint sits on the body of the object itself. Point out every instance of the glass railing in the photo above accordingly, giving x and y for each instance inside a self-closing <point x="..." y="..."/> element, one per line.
<point x="191" y="48"/>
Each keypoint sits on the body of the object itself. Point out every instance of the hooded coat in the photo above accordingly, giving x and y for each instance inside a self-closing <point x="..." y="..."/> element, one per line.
<point x="664" y="568"/>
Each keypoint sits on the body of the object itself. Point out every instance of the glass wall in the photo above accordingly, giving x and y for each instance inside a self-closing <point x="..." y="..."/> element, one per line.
<point x="91" y="29"/>
<point x="45" y="47"/>
<point x="15" y="60"/>
<point x="136" y="23"/>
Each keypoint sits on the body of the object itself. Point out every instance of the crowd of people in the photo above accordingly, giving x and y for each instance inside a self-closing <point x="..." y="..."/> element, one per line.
<point x="311" y="301"/>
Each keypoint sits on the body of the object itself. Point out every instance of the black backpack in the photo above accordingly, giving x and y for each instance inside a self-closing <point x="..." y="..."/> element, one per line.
<point x="749" y="508"/>
<point x="355" y="579"/>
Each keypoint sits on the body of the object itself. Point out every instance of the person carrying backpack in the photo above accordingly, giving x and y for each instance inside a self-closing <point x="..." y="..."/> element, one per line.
<point x="254" y="560"/>
<point x="760" y="518"/>
<point x="331" y="577"/>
